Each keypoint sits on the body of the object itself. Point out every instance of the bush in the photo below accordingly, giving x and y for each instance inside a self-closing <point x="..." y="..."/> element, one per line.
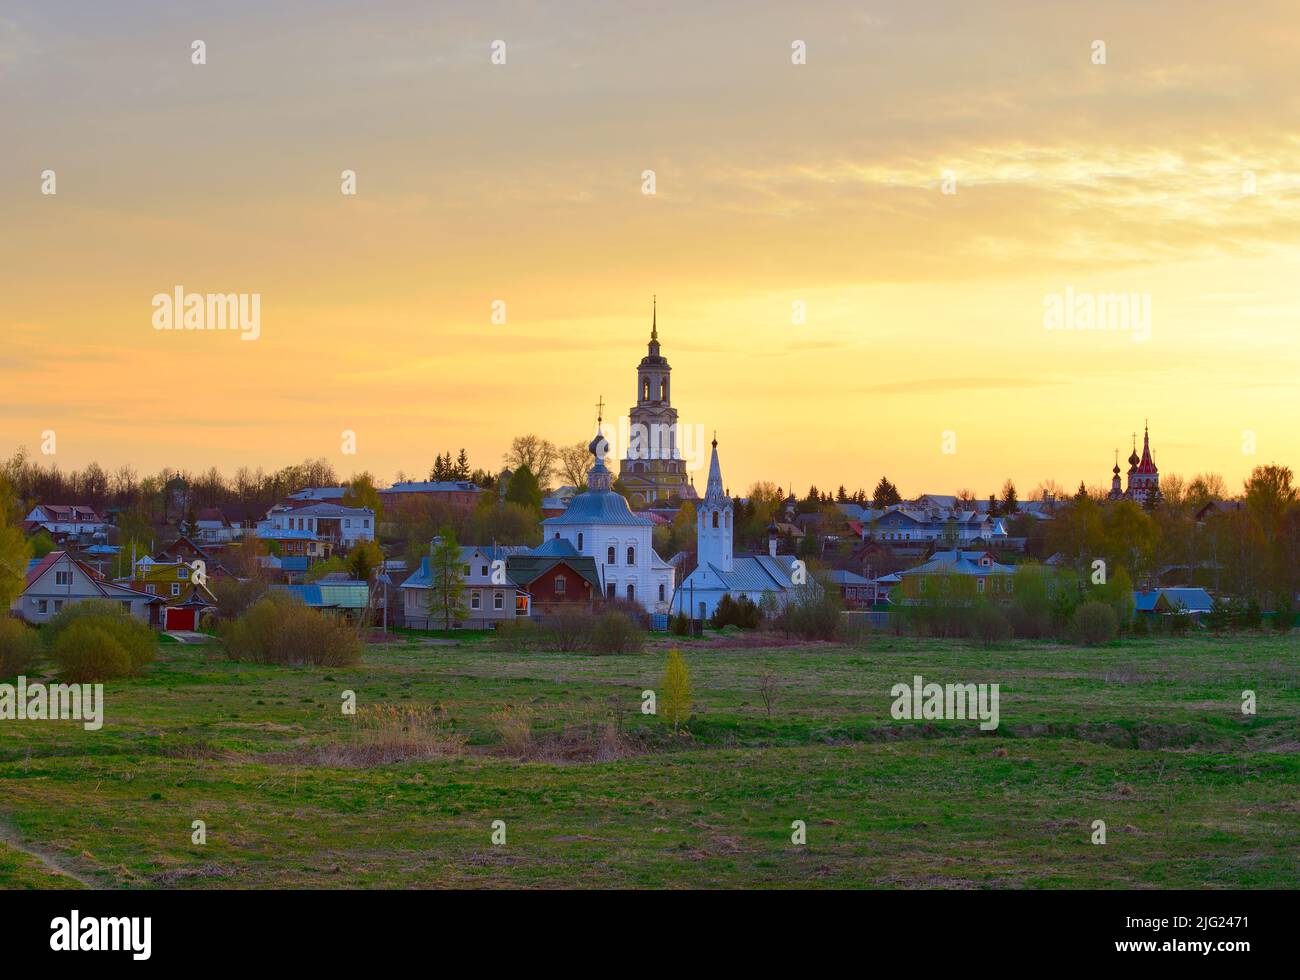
<point x="736" y="612"/>
<point x="681" y="626"/>
<point x="234" y="596"/>
<point x="137" y="640"/>
<point x="631" y="609"/>
<point x="20" y="647"/>
<point x="615" y="633"/>
<point x="812" y="612"/>
<point x="1095" y="622"/>
<point x="279" y="629"/>
<point x="519" y="636"/>
<point x="989" y="625"/>
<point x="568" y="630"/>
<point x="86" y="652"/>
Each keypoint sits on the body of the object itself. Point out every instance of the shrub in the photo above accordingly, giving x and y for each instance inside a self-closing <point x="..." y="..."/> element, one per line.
<point x="1095" y="622"/>
<point x="20" y="647"/>
<point x="990" y="625"/>
<point x="279" y="629"/>
<point x="615" y="633"/>
<point x="631" y="609"/>
<point x="519" y="636"/>
<point x="812" y="612"/>
<point x="736" y="612"/>
<point x="681" y="626"/>
<point x="568" y="630"/>
<point x="136" y="639"/>
<point x="675" y="690"/>
<point x="86" y="652"/>
<point x="234" y="596"/>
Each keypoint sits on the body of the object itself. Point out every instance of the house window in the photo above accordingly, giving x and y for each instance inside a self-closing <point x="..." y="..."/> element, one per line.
<point x="579" y="540"/>
<point x="42" y="606"/>
<point x="661" y="592"/>
<point x="483" y="569"/>
<point x="58" y="605"/>
<point x="62" y="578"/>
<point x="183" y="571"/>
<point x="610" y="559"/>
<point x="560" y="585"/>
<point x="979" y="585"/>
<point x="498" y="600"/>
<point x="609" y="591"/>
<point x="521" y="604"/>
<point x="631" y="592"/>
<point x="467" y="571"/>
<point x="476" y="600"/>
<point x="366" y="522"/>
<point x="631" y="555"/>
<point x="715" y="518"/>
<point x="151" y="589"/>
<point x="176" y="588"/>
<point x="1008" y="588"/>
<point x="347" y="522"/>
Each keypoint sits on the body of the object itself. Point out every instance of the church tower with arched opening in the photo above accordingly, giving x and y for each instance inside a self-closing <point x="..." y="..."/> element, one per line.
<point x="653" y="469"/>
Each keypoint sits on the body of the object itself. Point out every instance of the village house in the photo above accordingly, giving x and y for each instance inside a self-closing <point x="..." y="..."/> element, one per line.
<point x="491" y="595"/>
<point x="58" y="580"/>
<point x="458" y="495"/>
<point x="66" y="521"/>
<point x="340" y="526"/>
<point x="956" y="574"/>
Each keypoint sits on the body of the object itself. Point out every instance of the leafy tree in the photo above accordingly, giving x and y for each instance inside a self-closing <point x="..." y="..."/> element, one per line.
<point x="676" y="697"/>
<point x="446" y="597"/>
<point x="15" y="551"/>
<point x="361" y="492"/>
<point x="363" y="559"/>
<point x="524" y="489"/>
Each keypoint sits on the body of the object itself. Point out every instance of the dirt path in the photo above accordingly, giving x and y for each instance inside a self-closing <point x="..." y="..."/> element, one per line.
<point x="51" y="860"/>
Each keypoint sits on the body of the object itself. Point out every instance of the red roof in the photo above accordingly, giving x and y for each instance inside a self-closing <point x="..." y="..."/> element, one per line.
<point x="1148" y="464"/>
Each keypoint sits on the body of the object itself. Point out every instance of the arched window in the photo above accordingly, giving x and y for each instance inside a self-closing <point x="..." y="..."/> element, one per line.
<point x="663" y="390"/>
<point x="631" y="592"/>
<point x="661" y="592"/>
<point x="726" y="519"/>
<point x="579" y="540"/>
<point x="631" y="555"/>
<point x="645" y="391"/>
<point x="609" y="591"/>
<point x="715" y="518"/>
<point x="610" y="559"/>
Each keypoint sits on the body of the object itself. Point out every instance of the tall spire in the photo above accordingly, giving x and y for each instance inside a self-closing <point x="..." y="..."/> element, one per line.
<point x="654" y="317"/>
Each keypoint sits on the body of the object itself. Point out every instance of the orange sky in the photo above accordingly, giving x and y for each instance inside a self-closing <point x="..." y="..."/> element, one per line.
<point x="776" y="183"/>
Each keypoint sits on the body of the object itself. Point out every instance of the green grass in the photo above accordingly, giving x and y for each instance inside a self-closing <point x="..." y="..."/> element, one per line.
<point x="1146" y="735"/>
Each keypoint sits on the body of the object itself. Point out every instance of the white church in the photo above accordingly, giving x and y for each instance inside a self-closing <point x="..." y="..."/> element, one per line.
<point x="599" y="524"/>
<point x="719" y="572"/>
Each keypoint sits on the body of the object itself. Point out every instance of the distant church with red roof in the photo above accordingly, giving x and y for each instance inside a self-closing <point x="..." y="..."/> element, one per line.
<point x="1143" y="476"/>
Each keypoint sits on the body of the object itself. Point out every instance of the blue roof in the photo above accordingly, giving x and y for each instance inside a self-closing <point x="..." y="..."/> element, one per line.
<point x="329" y="595"/>
<point x="959" y="563"/>
<point x="1191" y="600"/>
<point x="598" y="507"/>
<point x="556" y="548"/>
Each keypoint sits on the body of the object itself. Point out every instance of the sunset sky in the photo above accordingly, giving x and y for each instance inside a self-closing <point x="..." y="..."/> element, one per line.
<point x="776" y="183"/>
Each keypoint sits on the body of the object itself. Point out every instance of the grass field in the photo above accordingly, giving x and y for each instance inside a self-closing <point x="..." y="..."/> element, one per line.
<point x="1147" y="735"/>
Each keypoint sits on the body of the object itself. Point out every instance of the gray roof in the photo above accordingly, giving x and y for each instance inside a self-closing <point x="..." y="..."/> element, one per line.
<point x="598" y="507"/>
<point x="959" y="562"/>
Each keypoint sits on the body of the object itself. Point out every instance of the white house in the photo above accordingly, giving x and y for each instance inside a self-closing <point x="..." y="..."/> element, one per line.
<point x="59" y="580"/>
<point x="341" y="526"/>
<point x="718" y="571"/>
<point x="600" y="524"/>
<point x="66" y="519"/>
